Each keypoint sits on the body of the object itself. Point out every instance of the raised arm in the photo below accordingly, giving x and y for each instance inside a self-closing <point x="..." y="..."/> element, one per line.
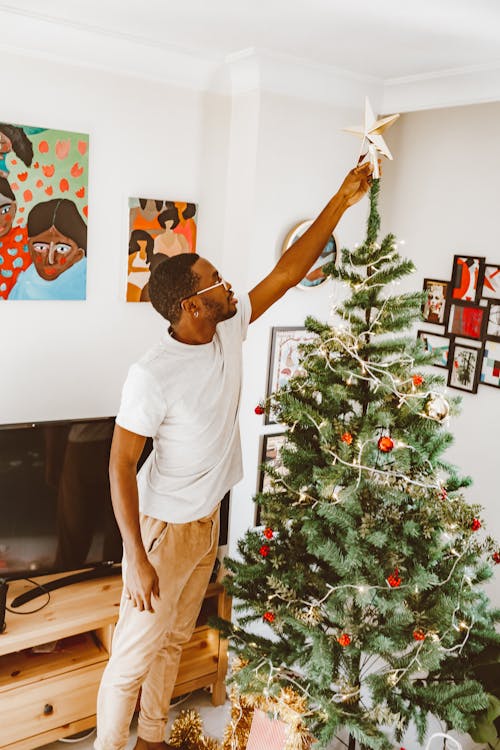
<point x="141" y="579"/>
<point x="298" y="259"/>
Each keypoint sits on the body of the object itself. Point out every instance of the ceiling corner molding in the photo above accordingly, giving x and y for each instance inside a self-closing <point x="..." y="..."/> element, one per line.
<point x="254" y="68"/>
<point x="92" y="47"/>
<point x="40" y="36"/>
<point x="448" y="88"/>
<point x="240" y="73"/>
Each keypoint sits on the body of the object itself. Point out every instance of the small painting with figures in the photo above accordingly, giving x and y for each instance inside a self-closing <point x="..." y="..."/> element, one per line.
<point x="435" y="305"/>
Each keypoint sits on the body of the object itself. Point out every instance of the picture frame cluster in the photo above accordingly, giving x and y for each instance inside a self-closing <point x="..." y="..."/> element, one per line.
<point x="467" y="310"/>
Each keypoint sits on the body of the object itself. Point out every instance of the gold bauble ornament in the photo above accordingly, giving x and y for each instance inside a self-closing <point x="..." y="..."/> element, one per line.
<point x="437" y="407"/>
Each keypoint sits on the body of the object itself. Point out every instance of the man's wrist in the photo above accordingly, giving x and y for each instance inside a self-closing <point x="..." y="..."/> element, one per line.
<point x="135" y="553"/>
<point x="341" y="198"/>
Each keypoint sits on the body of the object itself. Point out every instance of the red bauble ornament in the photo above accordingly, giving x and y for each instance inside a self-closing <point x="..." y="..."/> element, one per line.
<point x="496" y="557"/>
<point x="394" y="580"/>
<point x="259" y="409"/>
<point x="417" y="380"/>
<point x="268" y="533"/>
<point x="269" y="616"/>
<point x="346" y="438"/>
<point x="385" y="444"/>
<point x="419" y="635"/>
<point x="265" y="550"/>
<point x="476" y="524"/>
<point x="344" y="639"/>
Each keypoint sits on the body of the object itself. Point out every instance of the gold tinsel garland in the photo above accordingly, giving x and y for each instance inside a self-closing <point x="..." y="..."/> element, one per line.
<point x="187" y="733"/>
<point x="287" y="706"/>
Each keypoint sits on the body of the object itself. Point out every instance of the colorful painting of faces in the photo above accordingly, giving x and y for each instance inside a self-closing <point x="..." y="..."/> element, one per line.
<point x="466" y="307"/>
<point x="156" y="228"/>
<point x="43" y="213"/>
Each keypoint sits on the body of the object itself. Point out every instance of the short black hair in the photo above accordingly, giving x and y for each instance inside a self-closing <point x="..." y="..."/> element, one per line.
<point x="189" y="211"/>
<point x="172" y="280"/>
<point x="171" y="213"/>
<point x="62" y="214"/>
<point x="139" y="235"/>
<point x="21" y="144"/>
<point x="5" y="189"/>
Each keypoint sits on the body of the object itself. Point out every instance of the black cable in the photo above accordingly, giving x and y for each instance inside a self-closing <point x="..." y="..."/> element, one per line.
<point x="32" y="611"/>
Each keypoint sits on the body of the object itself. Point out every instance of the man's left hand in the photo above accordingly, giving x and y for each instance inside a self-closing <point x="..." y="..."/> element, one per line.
<point x="357" y="183"/>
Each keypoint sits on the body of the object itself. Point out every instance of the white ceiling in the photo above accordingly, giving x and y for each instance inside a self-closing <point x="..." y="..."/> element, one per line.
<point x="382" y="39"/>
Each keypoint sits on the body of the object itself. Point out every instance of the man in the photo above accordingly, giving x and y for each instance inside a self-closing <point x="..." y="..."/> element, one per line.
<point x="185" y="394"/>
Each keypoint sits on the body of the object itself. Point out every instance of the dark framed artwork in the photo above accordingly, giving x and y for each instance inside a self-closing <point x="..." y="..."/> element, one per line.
<point x="467" y="277"/>
<point x="435" y="306"/>
<point x="270" y="456"/>
<point x="437" y="344"/>
<point x="490" y="370"/>
<point x="284" y="358"/>
<point x="465" y="367"/>
<point x="491" y="282"/>
<point x="467" y="320"/>
<point x="493" y="322"/>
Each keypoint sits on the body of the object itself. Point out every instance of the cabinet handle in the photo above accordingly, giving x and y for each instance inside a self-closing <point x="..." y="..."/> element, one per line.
<point x="48" y="709"/>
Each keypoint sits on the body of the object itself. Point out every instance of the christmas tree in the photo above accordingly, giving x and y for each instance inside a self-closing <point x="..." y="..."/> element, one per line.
<point x="367" y="575"/>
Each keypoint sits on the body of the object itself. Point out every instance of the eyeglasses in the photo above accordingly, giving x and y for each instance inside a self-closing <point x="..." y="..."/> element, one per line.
<point x="222" y="282"/>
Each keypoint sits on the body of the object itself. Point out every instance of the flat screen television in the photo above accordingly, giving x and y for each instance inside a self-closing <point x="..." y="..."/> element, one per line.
<point x="55" y="503"/>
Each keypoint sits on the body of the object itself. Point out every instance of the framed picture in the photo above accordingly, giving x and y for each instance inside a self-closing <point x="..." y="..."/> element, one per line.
<point x="491" y="282"/>
<point x="44" y="174"/>
<point x="490" y="370"/>
<point x="156" y="228"/>
<point x="315" y="275"/>
<point x="465" y="367"/>
<point x="468" y="321"/>
<point x="435" y="306"/>
<point x="493" y="322"/>
<point x="270" y="455"/>
<point x="436" y="344"/>
<point x="284" y="359"/>
<point x="467" y="278"/>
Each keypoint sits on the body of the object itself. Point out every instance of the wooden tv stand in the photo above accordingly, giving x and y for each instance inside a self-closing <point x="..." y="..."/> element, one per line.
<point x="46" y="696"/>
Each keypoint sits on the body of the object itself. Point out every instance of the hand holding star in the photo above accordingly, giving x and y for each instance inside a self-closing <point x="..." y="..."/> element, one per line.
<point x="370" y="132"/>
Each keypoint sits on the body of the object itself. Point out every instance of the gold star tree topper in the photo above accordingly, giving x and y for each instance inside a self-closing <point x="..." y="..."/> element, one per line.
<point x="370" y="133"/>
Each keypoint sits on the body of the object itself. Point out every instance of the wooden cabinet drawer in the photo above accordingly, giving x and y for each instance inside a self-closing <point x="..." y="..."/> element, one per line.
<point x="199" y="656"/>
<point x="50" y="703"/>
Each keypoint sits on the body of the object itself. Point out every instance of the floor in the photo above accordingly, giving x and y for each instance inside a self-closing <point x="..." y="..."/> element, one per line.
<point x="214" y="721"/>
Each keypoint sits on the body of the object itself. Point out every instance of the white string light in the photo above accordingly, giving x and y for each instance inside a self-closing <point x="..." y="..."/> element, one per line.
<point x="343" y="342"/>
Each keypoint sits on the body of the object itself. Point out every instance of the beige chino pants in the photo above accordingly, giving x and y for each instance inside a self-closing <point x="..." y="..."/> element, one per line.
<point x="147" y="646"/>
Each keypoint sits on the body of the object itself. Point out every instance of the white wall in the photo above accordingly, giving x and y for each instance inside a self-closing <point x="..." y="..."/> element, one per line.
<point x="441" y="196"/>
<point x="301" y="158"/>
<point x="258" y="163"/>
<point x="69" y="359"/>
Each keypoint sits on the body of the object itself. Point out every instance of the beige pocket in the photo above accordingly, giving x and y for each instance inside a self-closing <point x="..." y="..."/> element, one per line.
<point x="209" y="529"/>
<point x="156" y="536"/>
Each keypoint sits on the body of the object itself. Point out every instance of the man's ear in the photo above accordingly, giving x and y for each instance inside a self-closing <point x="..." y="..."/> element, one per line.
<point x="191" y="307"/>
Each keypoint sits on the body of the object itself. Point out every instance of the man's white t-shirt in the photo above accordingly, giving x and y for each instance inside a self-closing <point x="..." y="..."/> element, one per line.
<point x="186" y="397"/>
